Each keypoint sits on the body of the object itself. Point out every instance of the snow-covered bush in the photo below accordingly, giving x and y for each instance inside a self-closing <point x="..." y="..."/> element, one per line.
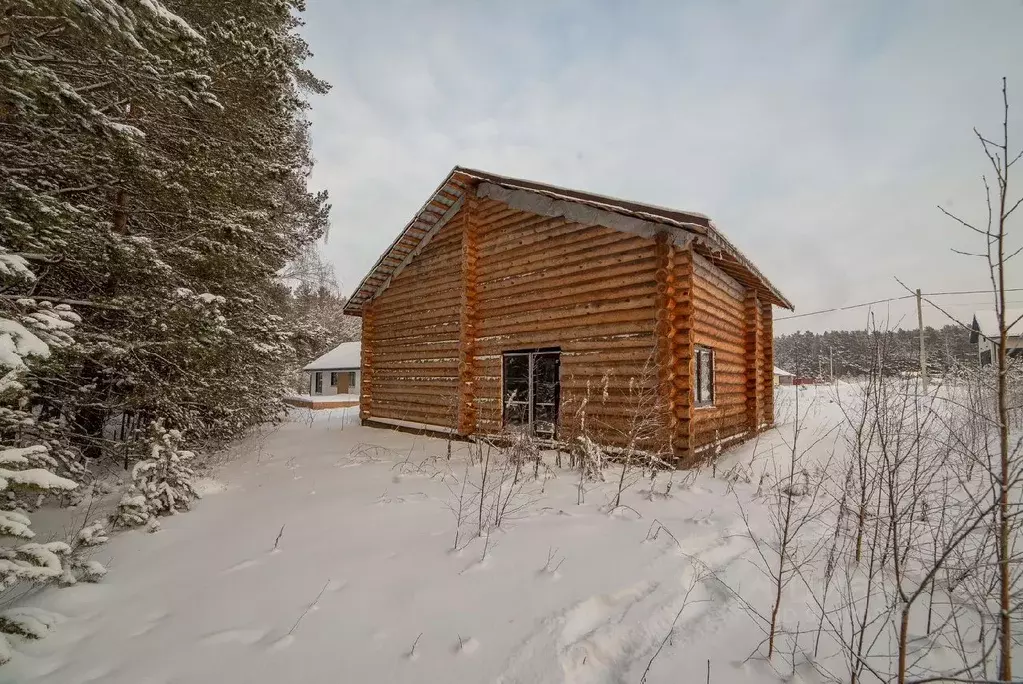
<point x="93" y="534"/>
<point x="591" y="458"/>
<point x="27" y="470"/>
<point x="162" y="483"/>
<point x="31" y="623"/>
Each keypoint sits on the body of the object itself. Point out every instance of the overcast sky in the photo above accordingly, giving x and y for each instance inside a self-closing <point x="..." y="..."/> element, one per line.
<point x="819" y="136"/>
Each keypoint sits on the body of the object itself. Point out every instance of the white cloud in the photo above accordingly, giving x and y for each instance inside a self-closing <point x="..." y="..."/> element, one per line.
<point x="819" y="136"/>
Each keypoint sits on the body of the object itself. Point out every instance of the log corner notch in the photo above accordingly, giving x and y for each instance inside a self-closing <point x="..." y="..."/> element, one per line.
<point x="767" y="363"/>
<point x="674" y="344"/>
<point x="755" y="358"/>
<point x="468" y="316"/>
<point x="366" y="385"/>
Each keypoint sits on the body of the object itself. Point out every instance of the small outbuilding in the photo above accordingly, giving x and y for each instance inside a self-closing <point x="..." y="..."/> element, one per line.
<point x="783" y="377"/>
<point x="985" y="334"/>
<point x="338" y="371"/>
<point x="507" y="304"/>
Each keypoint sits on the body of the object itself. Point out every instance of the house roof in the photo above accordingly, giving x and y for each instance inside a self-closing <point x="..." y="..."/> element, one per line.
<point x="986" y="323"/>
<point x="345" y="356"/>
<point x="583" y="207"/>
<point x="779" y="371"/>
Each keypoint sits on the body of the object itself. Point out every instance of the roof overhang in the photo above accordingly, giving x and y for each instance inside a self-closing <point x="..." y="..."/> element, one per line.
<point x="547" y="200"/>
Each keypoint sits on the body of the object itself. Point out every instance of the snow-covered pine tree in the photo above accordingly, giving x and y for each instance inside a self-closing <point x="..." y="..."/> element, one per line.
<point x="160" y="484"/>
<point x="154" y="169"/>
<point x="29" y="331"/>
<point x="153" y="182"/>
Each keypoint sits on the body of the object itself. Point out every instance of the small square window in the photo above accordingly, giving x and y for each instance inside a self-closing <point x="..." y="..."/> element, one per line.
<point x="333" y="379"/>
<point x="703" y="363"/>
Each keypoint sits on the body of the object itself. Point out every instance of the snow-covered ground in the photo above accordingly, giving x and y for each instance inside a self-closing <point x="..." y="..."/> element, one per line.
<point x="363" y="585"/>
<point x="321" y="398"/>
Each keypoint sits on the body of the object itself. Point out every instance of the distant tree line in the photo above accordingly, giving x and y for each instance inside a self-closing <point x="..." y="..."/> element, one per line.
<point x="809" y="354"/>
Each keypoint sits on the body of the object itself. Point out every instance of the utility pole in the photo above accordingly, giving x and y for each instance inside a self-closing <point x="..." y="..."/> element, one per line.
<point x="924" y="380"/>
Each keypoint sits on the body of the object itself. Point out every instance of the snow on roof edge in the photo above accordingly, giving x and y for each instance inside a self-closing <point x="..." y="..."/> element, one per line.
<point x="345" y="356"/>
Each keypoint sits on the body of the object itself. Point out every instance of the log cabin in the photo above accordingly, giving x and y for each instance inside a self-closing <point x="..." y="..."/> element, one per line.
<point x="509" y="304"/>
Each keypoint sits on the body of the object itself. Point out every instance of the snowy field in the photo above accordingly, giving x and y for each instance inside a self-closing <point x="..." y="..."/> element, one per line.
<point x="364" y="586"/>
<point x="306" y="400"/>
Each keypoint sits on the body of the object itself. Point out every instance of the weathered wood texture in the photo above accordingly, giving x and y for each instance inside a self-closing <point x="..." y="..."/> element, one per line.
<point x="754" y="361"/>
<point x="468" y="318"/>
<point x="414" y="337"/>
<point x="366" y="388"/>
<point x="591" y="291"/>
<point x="719" y="323"/>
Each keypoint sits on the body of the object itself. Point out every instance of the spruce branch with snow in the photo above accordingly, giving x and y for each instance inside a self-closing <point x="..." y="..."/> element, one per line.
<point x="162" y="483"/>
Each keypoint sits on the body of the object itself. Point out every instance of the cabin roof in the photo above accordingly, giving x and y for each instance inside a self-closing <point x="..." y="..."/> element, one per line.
<point x="585" y="207"/>
<point x="345" y="356"/>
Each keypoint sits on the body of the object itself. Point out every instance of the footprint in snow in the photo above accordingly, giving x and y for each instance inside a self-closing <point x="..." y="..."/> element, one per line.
<point x="241" y="566"/>
<point x="466" y="646"/>
<point x="283" y="643"/>
<point x="246" y="637"/>
<point x="96" y="674"/>
<point x="153" y="620"/>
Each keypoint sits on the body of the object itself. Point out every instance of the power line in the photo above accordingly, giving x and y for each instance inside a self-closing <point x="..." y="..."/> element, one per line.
<point x="890" y="299"/>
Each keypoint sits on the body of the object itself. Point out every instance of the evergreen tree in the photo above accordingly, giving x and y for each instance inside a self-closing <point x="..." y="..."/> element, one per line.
<point x="155" y="169"/>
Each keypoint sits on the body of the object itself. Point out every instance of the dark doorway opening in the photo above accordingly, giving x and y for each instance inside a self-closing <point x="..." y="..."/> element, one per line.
<point x="532" y="390"/>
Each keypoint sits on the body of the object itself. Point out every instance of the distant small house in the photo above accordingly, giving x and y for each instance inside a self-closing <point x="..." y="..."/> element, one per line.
<point x="782" y="377"/>
<point x="985" y="334"/>
<point x="336" y="372"/>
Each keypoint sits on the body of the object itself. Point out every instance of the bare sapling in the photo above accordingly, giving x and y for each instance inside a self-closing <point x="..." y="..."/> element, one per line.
<point x="491" y="490"/>
<point x="645" y="433"/>
<point x="859" y="439"/>
<point x="553" y="563"/>
<point x="796" y="505"/>
<point x="460" y="509"/>
<point x="922" y="516"/>
<point x="1006" y="476"/>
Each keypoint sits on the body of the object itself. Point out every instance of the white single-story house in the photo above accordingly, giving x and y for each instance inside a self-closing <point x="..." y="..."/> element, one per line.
<point x="783" y="377"/>
<point x="339" y="371"/>
<point x="985" y="334"/>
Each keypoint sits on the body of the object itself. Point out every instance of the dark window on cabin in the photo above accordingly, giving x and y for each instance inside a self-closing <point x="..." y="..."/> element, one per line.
<point x="532" y="390"/>
<point x="333" y="379"/>
<point x="985" y="357"/>
<point x="317" y="383"/>
<point x="703" y="361"/>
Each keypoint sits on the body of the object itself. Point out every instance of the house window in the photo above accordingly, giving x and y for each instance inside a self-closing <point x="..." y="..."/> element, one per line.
<point x="703" y="360"/>
<point x="351" y="378"/>
<point x="333" y="379"/>
<point x="317" y="383"/>
<point x="532" y="390"/>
